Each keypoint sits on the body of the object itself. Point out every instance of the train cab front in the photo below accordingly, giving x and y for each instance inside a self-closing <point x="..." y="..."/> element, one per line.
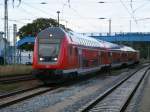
<point x="49" y="52"/>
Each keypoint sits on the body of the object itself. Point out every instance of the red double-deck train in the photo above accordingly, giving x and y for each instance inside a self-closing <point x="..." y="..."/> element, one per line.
<point x="59" y="53"/>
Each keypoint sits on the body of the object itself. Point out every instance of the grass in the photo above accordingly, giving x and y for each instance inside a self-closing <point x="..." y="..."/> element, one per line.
<point x="9" y="70"/>
<point x="8" y="87"/>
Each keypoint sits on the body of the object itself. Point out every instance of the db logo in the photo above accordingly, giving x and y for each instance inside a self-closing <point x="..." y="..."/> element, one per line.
<point x="47" y="66"/>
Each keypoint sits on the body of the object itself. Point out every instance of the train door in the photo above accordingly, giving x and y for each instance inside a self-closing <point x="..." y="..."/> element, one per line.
<point x="110" y="57"/>
<point x="76" y="58"/>
<point x="103" y="57"/>
<point x="70" y="55"/>
<point x="99" y="58"/>
<point x="80" y="58"/>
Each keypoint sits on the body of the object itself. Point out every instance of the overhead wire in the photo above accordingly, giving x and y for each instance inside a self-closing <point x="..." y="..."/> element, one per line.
<point x="137" y="8"/>
<point x="14" y="20"/>
<point x="68" y="3"/>
<point x="36" y="9"/>
<point x="28" y="12"/>
<point x="130" y="13"/>
<point x="141" y="6"/>
<point x="21" y="20"/>
<point x="82" y="17"/>
<point x="132" y="16"/>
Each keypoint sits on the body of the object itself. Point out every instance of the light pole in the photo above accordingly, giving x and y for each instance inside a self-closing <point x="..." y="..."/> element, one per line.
<point x="109" y="20"/>
<point x="109" y="27"/>
<point x="101" y="2"/>
<point x="58" y="12"/>
<point x="43" y="3"/>
<point x="5" y="28"/>
<point x="14" y="40"/>
<point x="130" y="25"/>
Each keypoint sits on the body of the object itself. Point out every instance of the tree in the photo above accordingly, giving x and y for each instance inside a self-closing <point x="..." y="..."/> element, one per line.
<point x="14" y="1"/>
<point x="31" y="29"/>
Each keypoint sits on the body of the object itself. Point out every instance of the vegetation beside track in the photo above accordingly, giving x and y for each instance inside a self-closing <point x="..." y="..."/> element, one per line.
<point x="11" y="70"/>
<point x="8" y="87"/>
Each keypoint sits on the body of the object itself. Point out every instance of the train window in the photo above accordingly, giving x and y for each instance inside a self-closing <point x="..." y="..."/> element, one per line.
<point x="76" y="51"/>
<point x="110" y="54"/>
<point x="48" y="52"/>
<point x="48" y="41"/>
<point x="48" y="49"/>
<point x="70" y="50"/>
<point x="124" y="54"/>
<point x="52" y="48"/>
<point x="120" y="54"/>
<point x="80" y="41"/>
<point x="87" y="43"/>
<point x="102" y="54"/>
<point x="90" y="44"/>
<point x="71" y="39"/>
<point x="93" y="44"/>
<point x="84" y="42"/>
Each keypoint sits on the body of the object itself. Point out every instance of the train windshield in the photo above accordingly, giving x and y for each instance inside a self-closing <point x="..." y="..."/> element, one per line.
<point x="49" y="50"/>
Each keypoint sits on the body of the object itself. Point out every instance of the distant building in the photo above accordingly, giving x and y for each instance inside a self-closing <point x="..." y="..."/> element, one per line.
<point x="3" y="43"/>
<point x="25" y="57"/>
<point x="2" y="46"/>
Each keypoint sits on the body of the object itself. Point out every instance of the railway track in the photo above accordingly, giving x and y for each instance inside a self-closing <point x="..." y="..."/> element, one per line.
<point x="13" y="79"/>
<point x="12" y="98"/>
<point x="117" y="98"/>
<point x="18" y="92"/>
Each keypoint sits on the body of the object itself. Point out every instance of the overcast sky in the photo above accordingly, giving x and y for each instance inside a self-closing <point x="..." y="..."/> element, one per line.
<point x="82" y="15"/>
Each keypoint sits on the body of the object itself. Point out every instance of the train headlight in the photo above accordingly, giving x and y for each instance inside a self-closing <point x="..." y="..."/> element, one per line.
<point x="41" y="59"/>
<point x="55" y="59"/>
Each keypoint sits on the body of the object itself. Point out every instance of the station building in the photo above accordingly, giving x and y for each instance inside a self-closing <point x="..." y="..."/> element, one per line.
<point x="12" y="54"/>
<point x="3" y="46"/>
<point x="6" y="51"/>
<point x="23" y="56"/>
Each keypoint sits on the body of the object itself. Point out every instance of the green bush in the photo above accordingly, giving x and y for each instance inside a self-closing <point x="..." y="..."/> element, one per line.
<point x="15" y="70"/>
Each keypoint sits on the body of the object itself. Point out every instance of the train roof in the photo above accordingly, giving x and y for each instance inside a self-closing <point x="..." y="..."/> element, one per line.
<point x="90" y="41"/>
<point x="54" y="32"/>
<point x="127" y="48"/>
<point x="86" y="41"/>
<point x="110" y="46"/>
<point x="83" y="40"/>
